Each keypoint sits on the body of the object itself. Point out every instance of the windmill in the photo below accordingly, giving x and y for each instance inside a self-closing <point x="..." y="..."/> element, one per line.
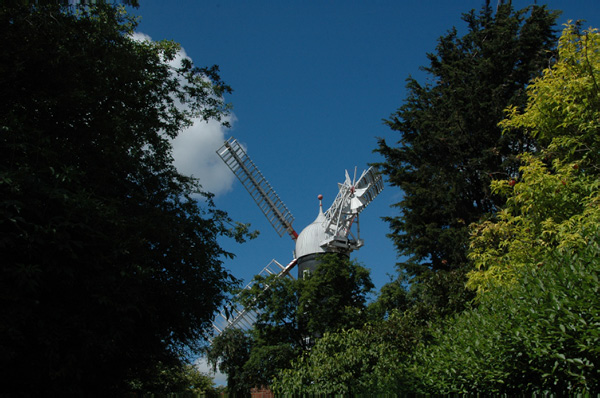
<point x="331" y="232"/>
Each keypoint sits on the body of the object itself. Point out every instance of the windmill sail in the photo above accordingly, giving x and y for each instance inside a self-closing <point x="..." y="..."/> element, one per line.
<point x="257" y="185"/>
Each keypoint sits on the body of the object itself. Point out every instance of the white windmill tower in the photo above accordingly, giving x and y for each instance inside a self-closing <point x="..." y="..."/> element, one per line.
<point x="331" y="232"/>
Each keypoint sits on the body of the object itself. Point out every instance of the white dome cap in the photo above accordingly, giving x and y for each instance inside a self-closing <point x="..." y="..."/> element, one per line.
<point x="310" y="239"/>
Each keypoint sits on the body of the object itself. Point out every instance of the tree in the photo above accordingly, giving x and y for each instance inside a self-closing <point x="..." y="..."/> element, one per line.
<point x="537" y="336"/>
<point x="393" y="296"/>
<point x="555" y="202"/>
<point x="294" y="314"/>
<point x="176" y="379"/>
<point x="450" y="146"/>
<point x="334" y="296"/>
<point x="110" y="265"/>
<point x="372" y="359"/>
<point x="536" y="326"/>
<point x="229" y="352"/>
<point x="339" y="363"/>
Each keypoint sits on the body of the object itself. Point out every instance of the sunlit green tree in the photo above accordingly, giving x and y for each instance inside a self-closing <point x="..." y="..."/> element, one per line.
<point x="368" y="360"/>
<point x="555" y="202"/>
<point x="535" y="328"/>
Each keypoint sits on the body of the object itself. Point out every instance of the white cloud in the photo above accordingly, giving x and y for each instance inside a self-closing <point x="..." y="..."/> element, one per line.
<point x="194" y="149"/>
<point x="195" y="154"/>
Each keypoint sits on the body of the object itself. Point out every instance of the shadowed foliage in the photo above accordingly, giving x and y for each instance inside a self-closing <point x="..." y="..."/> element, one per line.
<point x="110" y="266"/>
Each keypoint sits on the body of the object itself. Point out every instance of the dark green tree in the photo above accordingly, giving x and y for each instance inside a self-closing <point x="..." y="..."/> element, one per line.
<point x="334" y="296"/>
<point x="392" y="296"/>
<point x="450" y="146"/>
<point x="293" y="314"/>
<point x="110" y="265"/>
<point x="228" y="353"/>
<point x="176" y="379"/>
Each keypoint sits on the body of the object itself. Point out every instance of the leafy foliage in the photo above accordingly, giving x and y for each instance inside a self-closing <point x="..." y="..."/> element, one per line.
<point x="540" y="335"/>
<point x="563" y="104"/>
<point x="450" y="146"/>
<point x="392" y="296"/>
<point x="536" y="327"/>
<point x="176" y="380"/>
<point x="294" y="314"/>
<point x="368" y="360"/>
<point x="109" y="264"/>
<point x="555" y="203"/>
<point x="335" y="365"/>
<point x="229" y="352"/>
<point x="334" y="296"/>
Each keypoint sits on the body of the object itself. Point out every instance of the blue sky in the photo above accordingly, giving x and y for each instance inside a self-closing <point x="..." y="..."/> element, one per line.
<point x="313" y="81"/>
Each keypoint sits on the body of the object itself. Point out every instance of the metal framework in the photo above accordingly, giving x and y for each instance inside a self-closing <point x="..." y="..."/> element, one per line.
<point x="257" y="185"/>
<point x="353" y="197"/>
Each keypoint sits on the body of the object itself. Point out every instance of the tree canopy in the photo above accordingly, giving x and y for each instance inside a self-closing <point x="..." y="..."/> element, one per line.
<point x="450" y="147"/>
<point x="291" y="317"/>
<point x="110" y="265"/>
<point x="555" y="202"/>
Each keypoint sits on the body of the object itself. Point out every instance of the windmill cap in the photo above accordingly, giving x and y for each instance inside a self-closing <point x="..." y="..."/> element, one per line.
<point x="310" y="239"/>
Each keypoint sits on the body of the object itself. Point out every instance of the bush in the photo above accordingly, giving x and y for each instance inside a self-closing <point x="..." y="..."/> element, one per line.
<point x="542" y="334"/>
